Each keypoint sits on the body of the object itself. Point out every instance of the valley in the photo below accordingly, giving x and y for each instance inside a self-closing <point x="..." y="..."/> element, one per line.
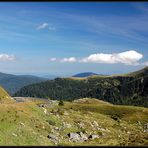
<point x="39" y="120"/>
<point x="73" y="74"/>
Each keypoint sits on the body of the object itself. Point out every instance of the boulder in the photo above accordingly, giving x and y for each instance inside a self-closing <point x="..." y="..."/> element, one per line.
<point x="74" y="137"/>
<point x="53" y="138"/>
<point x="93" y="136"/>
<point x="83" y="137"/>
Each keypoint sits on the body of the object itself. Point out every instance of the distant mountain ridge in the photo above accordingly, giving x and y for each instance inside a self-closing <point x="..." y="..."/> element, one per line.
<point x="86" y="74"/>
<point x="12" y="83"/>
<point x="129" y="89"/>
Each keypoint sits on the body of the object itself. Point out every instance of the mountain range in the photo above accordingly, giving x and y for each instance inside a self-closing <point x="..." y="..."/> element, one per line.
<point x="12" y="83"/>
<point x="86" y="74"/>
<point x="129" y="89"/>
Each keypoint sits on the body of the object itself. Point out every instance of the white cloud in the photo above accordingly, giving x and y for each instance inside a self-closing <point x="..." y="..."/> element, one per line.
<point x="46" y="26"/>
<point x="42" y="26"/>
<point x="53" y="59"/>
<point x="70" y="60"/>
<point x="128" y="57"/>
<point x="6" y="57"/>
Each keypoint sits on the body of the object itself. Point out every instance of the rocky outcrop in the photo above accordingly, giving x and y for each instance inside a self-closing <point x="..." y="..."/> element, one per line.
<point x="53" y="138"/>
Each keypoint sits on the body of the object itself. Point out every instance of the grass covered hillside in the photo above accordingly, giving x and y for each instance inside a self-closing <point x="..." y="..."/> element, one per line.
<point x="4" y="96"/>
<point x="82" y="122"/>
<point x="128" y="89"/>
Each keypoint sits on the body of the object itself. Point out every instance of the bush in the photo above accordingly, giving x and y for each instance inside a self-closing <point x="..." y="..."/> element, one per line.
<point x="61" y="103"/>
<point x="51" y="122"/>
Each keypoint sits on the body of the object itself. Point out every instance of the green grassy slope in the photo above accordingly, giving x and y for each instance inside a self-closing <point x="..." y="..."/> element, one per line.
<point x="4" y="96"/>
<point x="26" y="123"/>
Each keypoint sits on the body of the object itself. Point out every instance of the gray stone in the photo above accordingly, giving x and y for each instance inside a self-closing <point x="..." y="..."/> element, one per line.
<point x="51" y="136"/>
<point x="93" y="136"/>
<point x="52" y="130"/>
<point x="83" y="136"/>
<point x="139" y="122"/>
<point x="95" y="124"/>
<point x="22" y="124"/>
<point x="14" y="134"/>
<point x="101" y="129"/>
<point x="81" y="125"/>
<point x="74" y="136"/>
<point x="56" y="128"/>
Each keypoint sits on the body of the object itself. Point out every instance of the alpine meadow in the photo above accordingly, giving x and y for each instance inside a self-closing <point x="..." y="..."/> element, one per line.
<point x="74" y="74"/>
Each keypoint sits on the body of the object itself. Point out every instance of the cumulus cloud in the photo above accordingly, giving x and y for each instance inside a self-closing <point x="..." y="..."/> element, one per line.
<point x="53" y="59"/>
<point x="130" y="57"/>
<point x="6" y="57"/>
<point x="70" y="60"/>
<point x="46" y="26"/>
<point x="42" y="26"/>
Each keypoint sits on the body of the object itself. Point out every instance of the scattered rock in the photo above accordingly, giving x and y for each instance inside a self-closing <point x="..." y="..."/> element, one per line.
<point x="81" y="125"/>
<point x="22" y="124"/>
<point x="95" y="124"/>
<point x="56" y="128"/>
<point x="74" y="137"/>
<point x="128" y="132"/>
<point x="101" y="129"/>
<point x="83" y="136"/>
<point x="108" y="130"/>
<point x="57" y="116"/>
<point x="52" y="131"/>
<point x="53" y="138"/>
<point x="145" y="128"/>
<point x="77" y="137"/>
<point x="145" y="131"/>
<point x="93" y="136"/>
<point x="139" y="123"/>
<point x="45" y="110"/>
<point x="14" y="134"/>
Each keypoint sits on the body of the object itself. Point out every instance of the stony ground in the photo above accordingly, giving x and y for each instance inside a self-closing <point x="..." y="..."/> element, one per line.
<point x="81" y="122"/>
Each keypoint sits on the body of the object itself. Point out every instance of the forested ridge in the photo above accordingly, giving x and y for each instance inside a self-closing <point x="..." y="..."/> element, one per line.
<point x="129" y="89"/>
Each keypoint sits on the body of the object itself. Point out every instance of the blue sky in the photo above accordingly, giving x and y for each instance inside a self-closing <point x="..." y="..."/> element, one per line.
<point x="64" y="38"/>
